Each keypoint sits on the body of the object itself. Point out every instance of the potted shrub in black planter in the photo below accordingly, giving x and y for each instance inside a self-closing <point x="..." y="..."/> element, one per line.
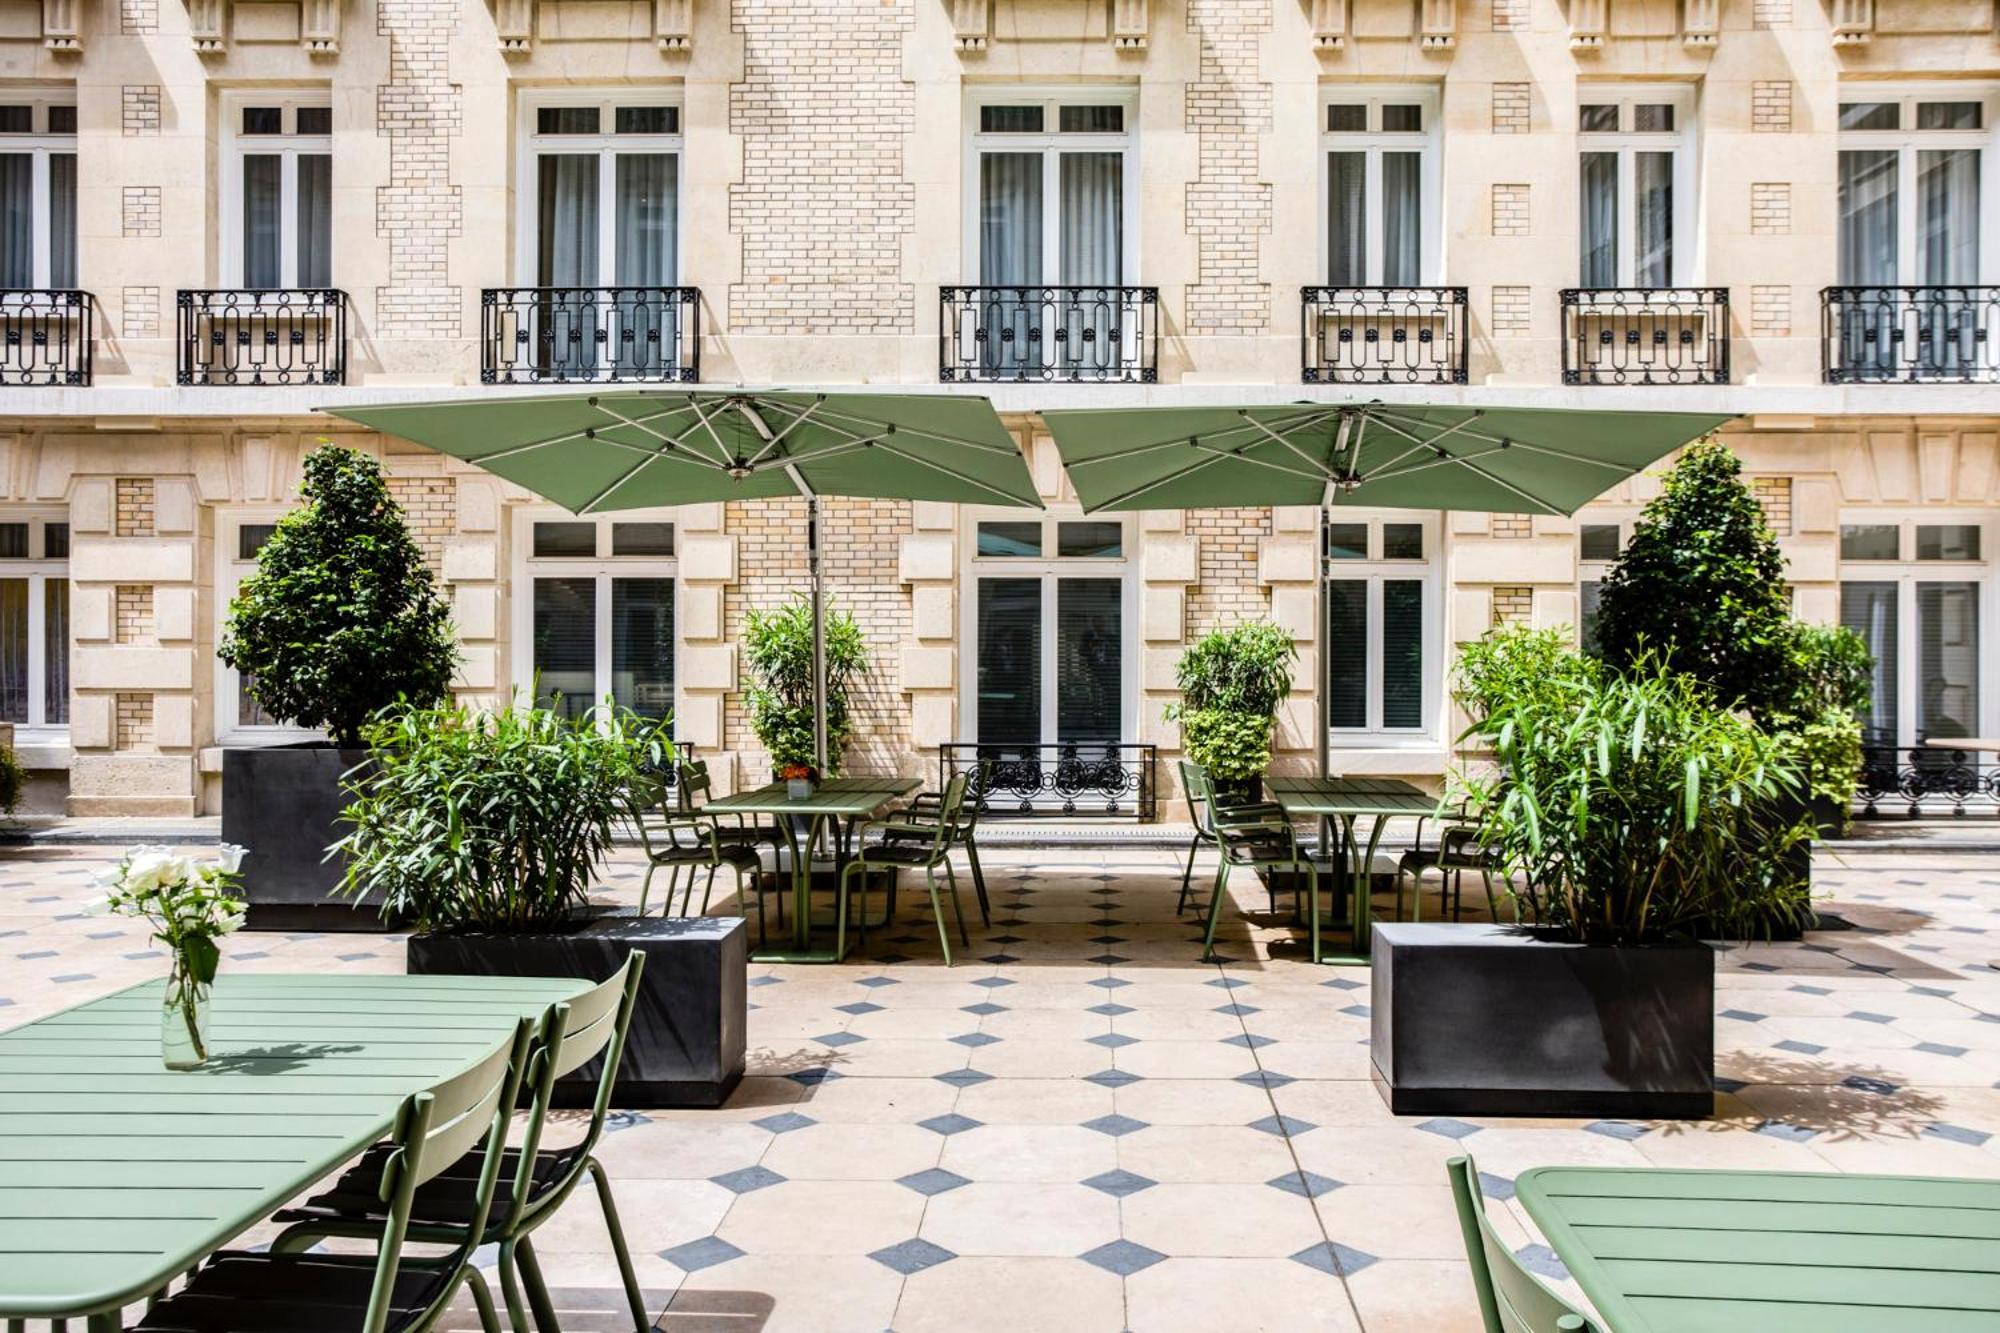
<point x="1626" y="807"/>
<point x="341" y="618"/>
<point x="485" y="830"/>
<point x="1231" y="682"/>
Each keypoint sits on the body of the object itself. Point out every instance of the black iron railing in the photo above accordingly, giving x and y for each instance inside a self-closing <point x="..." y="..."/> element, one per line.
<point x="593" y="335"/>
<point x="1384" y="335"/>
<point x="270" y="335"/>
<point x="1085" y="334"/>
<point x="1927" y="780"/>
<point x="46" y="335"/>
<point x="1068" y="779"/>
<point x="1645" y="335"/>
<point x="1910" y="335"/>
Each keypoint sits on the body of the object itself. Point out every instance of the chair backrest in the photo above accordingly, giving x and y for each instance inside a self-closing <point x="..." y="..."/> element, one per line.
<point x="951" y="810"/>
<point x="691" y="782"/>
<point x="646" y="807"/>
<point x="1200" y="796"/>
<point x="1511" y="1299"/>
<point x="433" y="1129"/>
<point x="977" y="790"/>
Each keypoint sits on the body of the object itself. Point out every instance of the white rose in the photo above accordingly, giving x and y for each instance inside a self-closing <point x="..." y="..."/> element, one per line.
<point x="230" y="857"/>
<point x="152" y="868"/>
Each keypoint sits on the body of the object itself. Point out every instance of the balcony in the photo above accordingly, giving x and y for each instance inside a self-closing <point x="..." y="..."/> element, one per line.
<point x="1927" y="780"/>
<point x="590" y="335"/>
<point x="1064" y="780"/>
<point x="45" y="336"/>
<point x="1645" y="335"/>
<point x="1096" y="335"/>
<point x="263" y="336"/>
<point x="1384" y="335"/>
<point x="1910" y="335"/>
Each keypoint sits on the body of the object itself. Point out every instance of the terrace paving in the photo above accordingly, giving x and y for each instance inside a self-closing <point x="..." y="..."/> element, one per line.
<point x="1081" y="1127"/>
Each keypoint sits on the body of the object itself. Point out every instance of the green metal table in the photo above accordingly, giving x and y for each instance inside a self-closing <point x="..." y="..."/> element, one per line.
<point x="833" y="799"/>
<point x="1705" y="1251"/>
<point x="1339" y="802"/>
<point x="117" y="1174"/>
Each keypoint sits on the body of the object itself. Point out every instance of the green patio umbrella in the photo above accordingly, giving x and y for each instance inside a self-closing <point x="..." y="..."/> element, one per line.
<point x="1392" y="455"/>
<point x="634" y="449"/>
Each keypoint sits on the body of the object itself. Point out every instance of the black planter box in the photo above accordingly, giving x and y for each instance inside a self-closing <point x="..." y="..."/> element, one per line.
<point x="1489" y="1020"/>
<point x="283" y="802"/>
<point x="688" y="1034"/>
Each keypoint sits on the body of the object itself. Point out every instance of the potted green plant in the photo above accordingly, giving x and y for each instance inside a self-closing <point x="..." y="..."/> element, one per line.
<point x="778" y="653"/>
<point x="1835" y="672"/>
<point x="486" y="831"/>
<point x="1628" y="808"/>
<point x="341" y="618"/>
<point x="1232" y="681"/>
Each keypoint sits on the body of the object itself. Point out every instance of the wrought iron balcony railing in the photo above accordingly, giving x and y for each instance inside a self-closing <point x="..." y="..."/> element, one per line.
<point x="1384" y="335"/>
<point x="589" y="335"/>
<point x="1069" y="779"/>
<point x="46" y="336"/>
<point x="1085" y="334"/>
<point x="1645" y="335"/>
<point x="273" y="335"/>
<point x="1927" y="780"/>
<point x="1910" y="335"/>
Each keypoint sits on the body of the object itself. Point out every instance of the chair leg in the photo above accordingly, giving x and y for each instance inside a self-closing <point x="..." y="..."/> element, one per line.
<point x="646" y="885"/>
<point x="641" y="1321"/>
<point x="510" y="1289"/>
<point x="1312" y="893"/>
<point x="482" y="1300"/>
<point x="1187" y="875"/>
<point x="706" y="889"/>
<point x="957" y="909"/>
<point x="531" y="1278"/>
<point x="978" y="881"/>
<point x="937" y="910"/>
<point x="1215" y="906"/>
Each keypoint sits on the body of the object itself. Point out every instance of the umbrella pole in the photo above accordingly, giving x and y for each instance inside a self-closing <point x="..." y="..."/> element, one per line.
<point x="1321" y="658"/>
<point x="819" y="634"/>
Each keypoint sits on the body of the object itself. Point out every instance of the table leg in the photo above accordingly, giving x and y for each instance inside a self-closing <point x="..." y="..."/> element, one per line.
<point x="1355" y="882"/>
<point x="801" y="950"/>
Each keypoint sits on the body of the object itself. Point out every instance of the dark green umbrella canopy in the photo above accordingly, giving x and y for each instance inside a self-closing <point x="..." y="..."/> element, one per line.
<point x="1498" y="459"/>
<point x="639" y="448"/>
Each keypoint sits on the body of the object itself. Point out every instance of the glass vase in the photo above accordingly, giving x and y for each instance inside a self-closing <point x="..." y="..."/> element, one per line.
<point x="184" y="1020"/>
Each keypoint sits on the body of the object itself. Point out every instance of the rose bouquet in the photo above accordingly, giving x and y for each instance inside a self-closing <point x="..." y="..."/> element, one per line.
<point x="190" y="904"/>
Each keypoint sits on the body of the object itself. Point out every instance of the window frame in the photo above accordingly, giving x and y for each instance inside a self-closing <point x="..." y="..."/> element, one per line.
<point x="602" y="568"/>
<point x="1907" y="142"/>
<point x="1051" y="143"/>
<point x="1375" y="571"/>
<point x="1683" y="141"/>
<point x="230" y="571"/>
<point x="234" y="146"/>
<point x="1375" y="141"/>
<point x="1049" y="569"/>
<point x="606" y="144"/>
<point x="40" y="144"/>
<point x="37" y="570"/>
<point x="1591" y="571"/>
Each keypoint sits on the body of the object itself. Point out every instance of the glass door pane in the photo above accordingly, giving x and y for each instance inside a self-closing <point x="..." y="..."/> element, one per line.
<point x="642" y="327"/>
<point x="1402" y="653"/>
<point x="1091" y="237"/>
<point x="13" y="650"/>
<point x="1347" y="219"/>
<point x="1653" y="200"/>
<point x="62" y="219"/>
<point x="1869" y="609"/>
<point x="1600" y="220"/>
<point x="1402" y="219"/>
<point x="17" y="220"/>
<point x="263" y="261"/>
<point x="55" y="652"/>
<point x="1089" y="659"/>
<point x="1010" y="256"/>
<point x="1947" y="659"/>
<point x="1948" y="254"/>
<point x="565" y="644"/>
<point x="1009" y="707"/>
<point x="315" y="220"/>
<point x="1347" y="653"/>
<point x="642" y="645"/>
<point x="566" y="256"/>
<point x="1867" y="218"/>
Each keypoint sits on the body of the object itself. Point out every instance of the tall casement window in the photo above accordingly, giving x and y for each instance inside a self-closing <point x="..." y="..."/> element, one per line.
<point x="1382" y="631"/>
<point x="240" y="719"/>
<point x="1597" y="549"/>
<point x="1636" y="194"/>
<point x="1379" y="160"/>
<point x="34" y="618"/>
<point x="594" y="611"/>
<point x="277" y="199"/>
<point x="37" y="191"/>
<point x="1912" y="207"/>
<point x="1919" y="593"/>
<point x="600" y="194"/>
<point x="1050" y="629"/>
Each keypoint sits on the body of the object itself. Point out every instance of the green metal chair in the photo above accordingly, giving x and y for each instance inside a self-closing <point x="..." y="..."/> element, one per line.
<point x="923" y="809"/>
<point x="535" y="1180"/>
<point x="1457" y="850"/>
<point x="1204" y="828"/>
<point x="285" y="1291"/>
<point x="1247" y="836"/>
<point x="677" y="838"/>
<point x="913" y="844"/>
<point x="1511" y="1299"/>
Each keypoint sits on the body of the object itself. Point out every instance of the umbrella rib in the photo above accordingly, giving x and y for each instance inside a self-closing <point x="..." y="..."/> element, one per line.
<point x="1622" y="469"/>
<point x="1312" y="418"/>
<point x="673" y="442"/>
<point x="953" y="473"/>
<point x="568" y="436"/>
<point x="721" y="449"/>
<point x="1259" y="462"/>
<point x="631" y="472"/>
<point x="1392" y="470"/>
<point x="828" y="417"/>
<point x="1138" y="491"/>
<point x="772" y="441"/>
<point x="1321" y="472"/>
<point x="1389" y="418"/>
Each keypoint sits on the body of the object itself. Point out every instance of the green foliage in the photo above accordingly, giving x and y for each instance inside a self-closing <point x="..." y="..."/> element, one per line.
<point x="1702" y="585"/>
<point x="1232" y="681"/>
<point x="342" y="616"/>
<point x="1834" y="669"/>
<point x="1513" y="662"/>
<point x="1633" y="804"/>
<point x="13" y="780"/>
<point x="777" y="649"/>
<point x="492" y="821"/>
<point x="1828" y="751"/>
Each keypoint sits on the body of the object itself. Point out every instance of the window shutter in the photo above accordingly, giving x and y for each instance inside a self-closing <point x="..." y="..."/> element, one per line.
<point x="1402" y="653"/>
<point x="1089" y="651"/>
<point x="565" y="644"/>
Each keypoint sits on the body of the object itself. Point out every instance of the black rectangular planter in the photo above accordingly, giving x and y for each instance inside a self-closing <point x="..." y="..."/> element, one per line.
<point x="1489" y="1020"/>
<point x="283" y="802"/>
<point x="688" y="1031"/>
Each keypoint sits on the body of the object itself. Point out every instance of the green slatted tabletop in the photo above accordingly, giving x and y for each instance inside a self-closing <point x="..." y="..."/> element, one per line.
<point x="117" y="1174"/>
<point x="1342" y="801"/>
<point x="1708" y="1251"/>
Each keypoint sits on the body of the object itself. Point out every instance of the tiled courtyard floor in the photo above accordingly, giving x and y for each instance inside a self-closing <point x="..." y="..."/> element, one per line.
<point x="1080" y="1127"/>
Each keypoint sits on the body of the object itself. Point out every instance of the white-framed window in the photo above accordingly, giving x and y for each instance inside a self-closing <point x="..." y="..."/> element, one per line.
<point x="37" y="189"/>
<point x="34" y="622"/>
<point x="1917" y="588"/>
<point x="1915" y="208"/>
<point x="1379" y="186"/>
<point x="240" y="533"/>
<point x="1048" y="617"/>
<point x="1051" y="185"/>
<point x="1635" y="156"/>
<point x="277" y="189"/>
<point x="1599" y="541"/>
<point x="594" y="609"/>
<point x="1384" y="629"/>
<point x="600" y="188"/>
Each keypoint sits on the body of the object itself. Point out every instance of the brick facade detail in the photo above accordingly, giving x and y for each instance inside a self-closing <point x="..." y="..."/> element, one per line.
<point x="1775" y="495"/>
<point x="139" y="109"/>
<point x="132" y="716"/>
<point x="134" y="507"/>
<point x="1770" y="311"/>
<point x="430" y="509"/>
<point x="1510" y="210"/>
<point x="1228" y="205"/>
<point x="1513" y="605"/>
<point x="1771" y="208"/>
<point x="139" y="312"/>
<point x="1510" y="310"/>
<point x="1512" y="108"/>
<point x="135" y="621"/>
<point x="141" y="211"/>
<point x="419" y="212"/>
<point x="1771" y="106"/>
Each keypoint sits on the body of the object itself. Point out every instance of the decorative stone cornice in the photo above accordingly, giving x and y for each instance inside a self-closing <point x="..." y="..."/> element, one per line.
<point x="60" y="30"/>
<point x="1130" y="22"/>
<point x="1853" y="22"/>
<point x="971" y="23"/>
<point x="1701" y="22"/>
<point x="1437" y="24"/>
<point x="514" y="20"/>
<point x="208" y="25"/>
<point x="1589" y="24"/>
